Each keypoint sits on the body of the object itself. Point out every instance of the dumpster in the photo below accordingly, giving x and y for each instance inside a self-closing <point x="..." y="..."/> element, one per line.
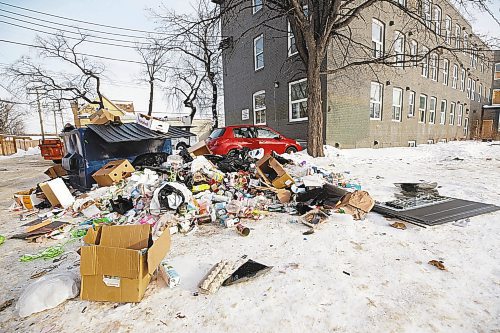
<point x="52" y="149"/>
<point x="89" y="149"/>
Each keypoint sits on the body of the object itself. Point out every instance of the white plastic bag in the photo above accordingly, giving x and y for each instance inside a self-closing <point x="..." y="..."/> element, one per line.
<point x="48" y="292"/>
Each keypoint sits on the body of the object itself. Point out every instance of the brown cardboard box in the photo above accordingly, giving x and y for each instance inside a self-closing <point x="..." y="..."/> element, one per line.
<point x="118" y="264"/>
<point x="27" y="198"/>
<point x="357" y="204"/>
<point x="57" y="193"/>
<point x="113" y="172"/>
<point x="56" y="171"/>
<point x="199" y="148"/>
<point x="272" y="172"/>
<point x="103" y="117"/>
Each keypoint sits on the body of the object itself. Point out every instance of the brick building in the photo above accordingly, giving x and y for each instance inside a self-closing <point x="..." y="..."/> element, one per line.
<point x="436" y="99"/>
<point x="488" y="125"/>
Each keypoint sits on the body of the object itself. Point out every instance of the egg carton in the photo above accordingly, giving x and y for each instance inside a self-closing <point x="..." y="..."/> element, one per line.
<point x="216" y="276"/>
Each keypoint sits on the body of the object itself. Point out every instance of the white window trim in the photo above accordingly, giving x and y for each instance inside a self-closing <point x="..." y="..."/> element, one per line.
<point x="412" y="143"/>
<point x="448" y="31"/>
<point x="446" y="71"/>
<point x="454" y="79"/>
<point x="437" y="21"/>
<point x="460" y="114"/>
<point x="414" y="51"/>
<point x="433" y="112"/>
<point x="453" y="110"/>
<point x="381" y="102"/>
<point x="480" y="93"/>
<point x="442" y="120"/>
<point x="256" y="9"/>
<point x="412" y="114"/>
<point x="297" y="101"/>
<point x="458" y="29"/>
<point x="400" y="105"/>
<point x="399" y="55"/>
<point x="261" y="109"/>
<point x="473" y="90"/>
<point x="381" y="42"/>
<point x="425" y="62"/>
<point x="434" y="67"/>
<point x="255" y="52"/>
<point x="424" y="109"/>
<point x="290" y="37"/>
<point x="462" y="80"/>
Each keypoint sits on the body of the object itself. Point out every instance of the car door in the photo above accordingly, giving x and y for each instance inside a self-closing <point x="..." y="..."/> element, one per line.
<point x="269" y="140"/>
<point x="244" y="137"/>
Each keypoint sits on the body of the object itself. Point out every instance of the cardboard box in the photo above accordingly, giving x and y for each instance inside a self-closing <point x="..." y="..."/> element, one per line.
<point x="27" y="199"/>
<point x="199" y="148"/>
<point x="56" y="171"/>
<point x="103" y="117"/>
<point x="57" y="193"/>
<point x="118" y="264"/>
<point x="113" y="172"/>
<point x="272" y="172"/>
<point x="152" y="123"/>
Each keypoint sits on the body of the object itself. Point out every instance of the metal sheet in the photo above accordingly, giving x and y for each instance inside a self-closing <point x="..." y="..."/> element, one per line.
<point x="124" y="132"/>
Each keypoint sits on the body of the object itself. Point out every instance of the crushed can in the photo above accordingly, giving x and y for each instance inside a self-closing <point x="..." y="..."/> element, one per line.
<point x="242" y="230"/>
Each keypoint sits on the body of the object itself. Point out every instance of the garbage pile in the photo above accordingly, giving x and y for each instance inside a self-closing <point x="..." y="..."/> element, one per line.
<point x="125" y="222"/>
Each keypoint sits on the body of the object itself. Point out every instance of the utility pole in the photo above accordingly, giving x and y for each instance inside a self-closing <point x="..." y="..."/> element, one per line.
<point x="40" y="114"/>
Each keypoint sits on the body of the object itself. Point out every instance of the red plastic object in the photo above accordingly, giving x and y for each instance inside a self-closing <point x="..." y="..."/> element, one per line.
<point x="52" y="149"/>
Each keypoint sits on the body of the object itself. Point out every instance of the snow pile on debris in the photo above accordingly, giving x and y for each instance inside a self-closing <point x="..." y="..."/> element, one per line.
<point x="21" y="153"/>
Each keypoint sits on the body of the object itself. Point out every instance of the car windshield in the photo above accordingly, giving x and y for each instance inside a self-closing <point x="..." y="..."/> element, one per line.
<point x="218" y="132"/>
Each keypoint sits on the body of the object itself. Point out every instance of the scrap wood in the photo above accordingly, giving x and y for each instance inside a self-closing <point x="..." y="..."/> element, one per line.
<point x="437" y="263"/>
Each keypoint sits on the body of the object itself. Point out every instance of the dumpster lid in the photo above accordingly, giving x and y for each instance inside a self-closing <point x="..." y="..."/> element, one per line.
<point x="125" y="132"/>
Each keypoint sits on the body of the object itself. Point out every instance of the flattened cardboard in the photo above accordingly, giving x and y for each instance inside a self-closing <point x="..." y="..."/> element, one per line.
<point x="57" y="193"/>
<point x="27" y="199"/>
<point x="56" y="171"/>
<point x="113" y="271"/>
<point x="37" y="224"/>
<point x="103" y="117"/>
<point x="357" y="204"/>
<point x="199" y="148"/>
<point x="152" y="123"/>
<point x="272" y="172"/>
<point x="113" y="172"/>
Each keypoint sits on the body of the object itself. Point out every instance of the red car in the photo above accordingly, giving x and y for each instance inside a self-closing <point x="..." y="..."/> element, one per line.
<point x="222" y="140"/>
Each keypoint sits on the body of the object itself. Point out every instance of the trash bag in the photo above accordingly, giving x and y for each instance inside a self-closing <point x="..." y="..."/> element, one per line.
<point x="186" y="156"/>
<point x="48" y="292"/>
<point x="170" y="195"/>
<point x="150" y="160"/>
<point x="234" y="161"/>
<point x="121" y="205"/>
<point x="328" y="196"/>
<point x="249" y="270"/>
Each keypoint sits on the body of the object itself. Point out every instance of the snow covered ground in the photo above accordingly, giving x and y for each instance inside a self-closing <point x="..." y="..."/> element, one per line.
<point x="349" y="276"/>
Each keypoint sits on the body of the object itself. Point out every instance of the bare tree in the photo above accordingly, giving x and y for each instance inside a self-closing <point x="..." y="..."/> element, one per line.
<point x="196" y="36"/>
<point x="84" y="83"/>
<point x="154" y="55"/>
<point x="11" y="118"/>
<point x="319" y="24"/>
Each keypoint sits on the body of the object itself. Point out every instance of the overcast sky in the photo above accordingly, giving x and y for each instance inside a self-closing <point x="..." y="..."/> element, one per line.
<point x="121" y="78"/>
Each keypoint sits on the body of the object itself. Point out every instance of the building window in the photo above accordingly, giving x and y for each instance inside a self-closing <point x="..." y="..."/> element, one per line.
<point x="454" y="77"/>
<point x="425" y="62"/>
<point x="298" y="100"/>
<point x="495" y="98"/>
<point x="447" y="26"/>
<point x="376" y="100"/>
<point x="422" y="106"/>
<point x="432" y="110"/>
<point x="497" y="71"/>
<point x="458" y="30"/>
<point x="452" y="114"/>
<point x="397" y="103"/>
<point x="426" y="12"/>
<point x="292" y="48"/>
<point x="466" y="42"/>
<point x="473" y="90"/>
<point x="437" y="19"/>
<point x="434" y="66"/>
<point x="259" y="108"/>
<point x="473" y="57"/>
<point x="460" y="114"/>
<point x="466" y="126"/>
<point x="412" y="143"/>
<point x="256" y="6"/>
<point x="414" y="51"/>
<point x="399" y="48"/>
<point x="462" y="80"/>
<point x="446" y="71"/>
<point x="411" y="104"/>
<point x="442" y="116"/>
<point x="377" y="38"/>
<point x="480" y="93"/>
<point x="258" y="52"/>
<point x="468" y="87"/>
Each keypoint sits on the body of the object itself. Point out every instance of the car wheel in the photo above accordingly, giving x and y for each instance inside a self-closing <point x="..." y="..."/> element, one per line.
<point x="290" y="150"/>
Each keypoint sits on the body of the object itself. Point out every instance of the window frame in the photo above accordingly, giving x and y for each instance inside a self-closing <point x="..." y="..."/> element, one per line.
<point x="454" y="78"/>
<point x="473" y="90"/>
<point x="437" y="21"/>
<point x="432" y="112"/>
<point x="442" y="112"/>
<point x="257" y="7"/>
<point x="290" y="102"/>
<point x="427" y="13"/>
<point x="465" y="41"/>
<point x="451" y="118"/>
<point x="422" y="113"/>
<point x="469" y="84"/>
<point x="425" y="62"/>
<point x="399" y="55"/>
<point x="434" y="66"/>
<point x="480" y="92"/>
<point x="462" y="80"/>
<point x="460" y="114"/>
<point x="290" y="37"/>
<point x="400" y="106"/>
<point x="380" y="102"/>
<point x="255" y="110"/>
<point x="446" y="71"/>
<point x="411" y="103"/>
<point x="255" y="55"/>
<point x="414" y="51"/>
<point x="448" y="29"/>
<point x="381" y="43"/>
<point x="458" y="34"/>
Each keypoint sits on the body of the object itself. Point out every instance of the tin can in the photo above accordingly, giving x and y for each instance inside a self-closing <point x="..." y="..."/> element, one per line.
<point x="242" y="230"/>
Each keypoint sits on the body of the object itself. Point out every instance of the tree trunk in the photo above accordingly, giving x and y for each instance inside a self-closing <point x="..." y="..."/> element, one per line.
<point x="215" y="116"/>
<point x="151" y="92"/>
<point x="314" y="108"/>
